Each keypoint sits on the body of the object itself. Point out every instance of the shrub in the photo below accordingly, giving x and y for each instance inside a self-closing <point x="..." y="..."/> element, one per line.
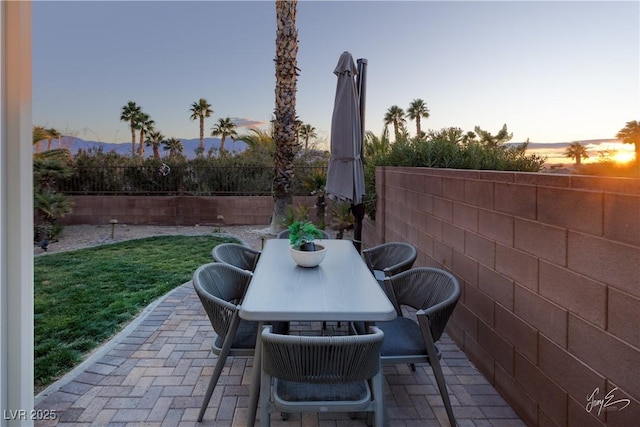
<point x="96" y="172"/>
<point x="439" y="153"/>
<point x="49" y="168"/>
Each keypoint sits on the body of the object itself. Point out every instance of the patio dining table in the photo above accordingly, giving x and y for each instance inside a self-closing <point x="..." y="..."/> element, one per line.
<point x="341" y="288"/>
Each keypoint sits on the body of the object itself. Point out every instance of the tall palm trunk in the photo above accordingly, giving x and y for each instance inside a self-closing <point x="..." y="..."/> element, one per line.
<point x="396" y="129"/>
<point x="286" y="122"/>
<point x="141" y="145"/>
<point x="133" y="138"/>
<point x="201" y="134"/>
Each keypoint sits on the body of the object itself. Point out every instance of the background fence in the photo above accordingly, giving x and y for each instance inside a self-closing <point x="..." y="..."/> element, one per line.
<point x="183" y="180"/>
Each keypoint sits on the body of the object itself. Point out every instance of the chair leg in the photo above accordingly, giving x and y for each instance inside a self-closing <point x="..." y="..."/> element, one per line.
<point x="222" y="358"/>
<point x="442" y="385"/>
<point x="212" y="385"/>
<point x="265" y="398"/>
<point x="378" y="396"/>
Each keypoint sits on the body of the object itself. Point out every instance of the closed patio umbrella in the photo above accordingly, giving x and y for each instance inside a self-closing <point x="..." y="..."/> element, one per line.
<point x="345" y="174"/>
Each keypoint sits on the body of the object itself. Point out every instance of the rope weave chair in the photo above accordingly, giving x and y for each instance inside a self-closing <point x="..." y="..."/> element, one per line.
<point x="390" y="258"/>
<point x="433" y="293"/>
<point x="221" y="288"/>
<point x="321" y="374"/>
<point x="237" y="255"/>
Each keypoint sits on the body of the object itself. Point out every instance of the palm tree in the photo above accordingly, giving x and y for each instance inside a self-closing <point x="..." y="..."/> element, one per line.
<point x="51" y="134"/>
<point x="286" y="122"/>
<point x="258" y="141"/>
<point x="416" y="111"/>
<point x="154" y="139"/>
<point x="50" y="205"/>
<point x="174" y="146"/>
<point x="576" y="151"/>
<point x="201" y="109"/>
<point x="130" y="113"/>
<point x="395" y="115"/>
<point x="630" y="134"/>
<point x="307" y="132"/>
<point x="225" y="127"/>
<point x="55" y="134"/>
<point x="375" y="146"/>
<point x="39" y="134"/>
<point x="144" y="124"/>
<point x="50" y="166"/>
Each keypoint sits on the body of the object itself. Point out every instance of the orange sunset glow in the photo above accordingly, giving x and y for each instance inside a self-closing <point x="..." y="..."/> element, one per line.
<point x="623" y="156"/>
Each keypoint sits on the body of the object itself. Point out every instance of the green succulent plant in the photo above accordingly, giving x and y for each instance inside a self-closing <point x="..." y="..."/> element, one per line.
<point x="302" y="234"/>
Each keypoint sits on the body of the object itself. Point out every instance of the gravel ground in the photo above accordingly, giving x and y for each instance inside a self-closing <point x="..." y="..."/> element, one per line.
<point x="83" y="236"/>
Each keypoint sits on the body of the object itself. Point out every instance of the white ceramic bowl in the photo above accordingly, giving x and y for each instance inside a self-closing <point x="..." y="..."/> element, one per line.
<point x="308" y="258"/>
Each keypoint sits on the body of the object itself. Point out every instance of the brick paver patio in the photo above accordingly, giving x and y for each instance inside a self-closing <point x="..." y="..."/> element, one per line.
<point x="156" y="371"/>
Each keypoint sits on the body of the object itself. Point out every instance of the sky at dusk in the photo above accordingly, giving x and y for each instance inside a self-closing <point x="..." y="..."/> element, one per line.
<point x="552" y="71"/>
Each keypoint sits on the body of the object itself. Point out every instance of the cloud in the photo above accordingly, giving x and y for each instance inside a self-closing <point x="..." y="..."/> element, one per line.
<point x="248" y="123"/>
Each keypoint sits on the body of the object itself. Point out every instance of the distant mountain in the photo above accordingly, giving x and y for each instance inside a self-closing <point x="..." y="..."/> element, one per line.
<point x="75" y="144"/>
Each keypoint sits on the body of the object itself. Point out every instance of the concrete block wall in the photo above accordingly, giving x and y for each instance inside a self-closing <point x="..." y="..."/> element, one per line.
<point x="550" y="271"/>
<point x="175" y="210"/>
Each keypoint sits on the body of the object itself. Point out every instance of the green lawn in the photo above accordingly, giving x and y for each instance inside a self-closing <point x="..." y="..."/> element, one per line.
<point x="83" y="297"/>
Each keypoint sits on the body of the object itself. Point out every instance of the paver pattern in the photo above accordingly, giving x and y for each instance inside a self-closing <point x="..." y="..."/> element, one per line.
<point x="155" y="374"/>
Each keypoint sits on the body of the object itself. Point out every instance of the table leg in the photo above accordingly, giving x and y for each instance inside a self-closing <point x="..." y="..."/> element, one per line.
<point x="254" y="390"/>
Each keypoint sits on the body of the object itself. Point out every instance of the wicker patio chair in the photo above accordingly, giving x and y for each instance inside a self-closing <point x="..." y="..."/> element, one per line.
<point x="321" y="374"/>
<point x="221" y="288"/>
<point x="433" y="293"/>
<point x="284" y="234"/>
<point x="390" y="258"/>
<point x="237" y="255"/>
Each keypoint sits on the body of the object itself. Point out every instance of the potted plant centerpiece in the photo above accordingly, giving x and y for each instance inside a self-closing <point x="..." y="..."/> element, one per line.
<point x="303" y="248"/>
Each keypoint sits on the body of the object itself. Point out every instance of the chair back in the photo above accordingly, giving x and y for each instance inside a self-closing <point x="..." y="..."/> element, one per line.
<point x="431" y="290"/>
<point x="322" y="359"/>
<point x="237" y="255"/>
<point x="284" y="234"/>
<point x="391" y="257"/>
<point x="220" y="288"/>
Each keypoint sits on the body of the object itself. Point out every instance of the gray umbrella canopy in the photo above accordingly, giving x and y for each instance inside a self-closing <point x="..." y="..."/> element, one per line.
<point x="345" y="175"/>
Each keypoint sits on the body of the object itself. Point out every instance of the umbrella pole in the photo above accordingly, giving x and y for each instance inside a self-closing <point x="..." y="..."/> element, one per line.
<point x="358" y="210"/>
<point x="358" y="215"/>
<point x="361" y="84"/>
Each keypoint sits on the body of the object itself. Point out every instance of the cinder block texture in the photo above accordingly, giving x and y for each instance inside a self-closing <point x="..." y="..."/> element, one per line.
<point x="550" y="269"/>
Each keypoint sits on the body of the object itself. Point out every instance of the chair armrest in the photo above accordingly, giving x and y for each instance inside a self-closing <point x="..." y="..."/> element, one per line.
<point x="436" y="317"/>
<point x="398" y="268"/>
<point x="253" y="251"/>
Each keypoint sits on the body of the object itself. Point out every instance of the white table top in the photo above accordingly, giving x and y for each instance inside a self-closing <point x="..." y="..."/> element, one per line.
<point x="341" y="288"/>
